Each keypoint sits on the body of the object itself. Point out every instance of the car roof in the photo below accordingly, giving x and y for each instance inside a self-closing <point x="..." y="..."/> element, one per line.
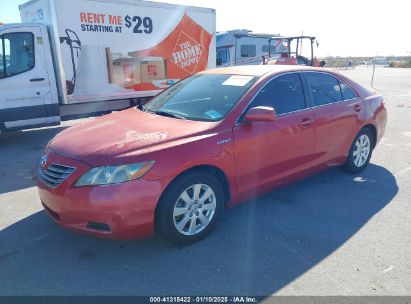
<point x="257" y="70"/>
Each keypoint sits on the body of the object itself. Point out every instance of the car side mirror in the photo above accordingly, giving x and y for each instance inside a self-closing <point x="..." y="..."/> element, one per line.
<point x="260" y="114"/>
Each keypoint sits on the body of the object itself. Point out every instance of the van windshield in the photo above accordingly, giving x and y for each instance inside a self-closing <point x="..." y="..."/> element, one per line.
<point x="202" y="97"/>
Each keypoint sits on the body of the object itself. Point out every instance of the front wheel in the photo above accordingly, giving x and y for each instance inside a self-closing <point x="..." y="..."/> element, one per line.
<point x="190" y="208"/>
<point x="360" y="152"/>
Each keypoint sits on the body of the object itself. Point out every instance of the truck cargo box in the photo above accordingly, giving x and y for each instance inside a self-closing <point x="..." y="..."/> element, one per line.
<point x="118" y="49"/>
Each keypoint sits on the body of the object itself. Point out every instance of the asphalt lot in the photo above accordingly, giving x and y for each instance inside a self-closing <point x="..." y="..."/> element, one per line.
<point x="330" y="234"/>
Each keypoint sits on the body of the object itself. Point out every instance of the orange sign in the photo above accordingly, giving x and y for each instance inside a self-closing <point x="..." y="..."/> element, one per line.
<point x="185" y="50"/>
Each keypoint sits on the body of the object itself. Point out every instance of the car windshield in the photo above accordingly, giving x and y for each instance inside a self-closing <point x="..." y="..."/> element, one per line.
<point x="203" y="97"/>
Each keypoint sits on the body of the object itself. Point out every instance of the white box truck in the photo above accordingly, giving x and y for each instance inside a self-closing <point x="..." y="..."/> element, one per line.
<point x="73" y="58"/>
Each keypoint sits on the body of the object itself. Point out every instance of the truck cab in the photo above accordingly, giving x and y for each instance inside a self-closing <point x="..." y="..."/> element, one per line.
<point x="28" y="92"/>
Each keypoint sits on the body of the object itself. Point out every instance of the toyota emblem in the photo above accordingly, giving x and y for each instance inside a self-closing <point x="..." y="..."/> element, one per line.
<point x="43" y="161"/>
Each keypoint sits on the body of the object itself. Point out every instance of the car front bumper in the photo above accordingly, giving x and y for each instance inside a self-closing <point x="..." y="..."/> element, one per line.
<point x="119" y="211"/>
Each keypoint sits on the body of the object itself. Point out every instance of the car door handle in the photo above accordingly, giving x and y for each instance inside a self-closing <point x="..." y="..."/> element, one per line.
<point x="357" y="108"/>
<point x="37" y="79"/>
<point x="306" y="122"/>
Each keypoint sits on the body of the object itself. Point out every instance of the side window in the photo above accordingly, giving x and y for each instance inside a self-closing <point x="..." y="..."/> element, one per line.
<point x="265" y="49"/>
<point x="248" y="50"/>
<point x="347" y="92"/>
<point x="284" y="93"/>
<point x="17" y="54"/>
<point x="324" y="88"/>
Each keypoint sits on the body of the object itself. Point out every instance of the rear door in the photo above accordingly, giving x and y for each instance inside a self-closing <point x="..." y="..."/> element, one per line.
<point x="25" y="92"/>
<point x="268" y="151"/>
<point x="337" y="115"/>
<point x="223" y="57"/>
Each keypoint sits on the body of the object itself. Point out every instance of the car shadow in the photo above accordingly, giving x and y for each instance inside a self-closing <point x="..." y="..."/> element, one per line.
<point x="20" y="154"/>
<point x="257" y="248"/>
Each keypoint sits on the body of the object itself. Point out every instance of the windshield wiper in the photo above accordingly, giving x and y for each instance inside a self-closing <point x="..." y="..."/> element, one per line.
<point x="168" y="114"/>
<point x="160" y="112"/>
<point x="142" y="107"/>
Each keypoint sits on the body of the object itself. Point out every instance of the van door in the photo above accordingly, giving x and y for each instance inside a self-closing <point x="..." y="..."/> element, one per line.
<point x="26" y="99"/>
<point x="223" y="57"/>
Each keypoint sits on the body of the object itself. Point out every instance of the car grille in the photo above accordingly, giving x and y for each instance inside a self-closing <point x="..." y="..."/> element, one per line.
<point x="55" y="174"/>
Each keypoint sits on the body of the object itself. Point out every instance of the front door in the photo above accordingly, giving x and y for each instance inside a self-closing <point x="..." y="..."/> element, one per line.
<point x="24" y="81"/>
<point x="271" y="150"/>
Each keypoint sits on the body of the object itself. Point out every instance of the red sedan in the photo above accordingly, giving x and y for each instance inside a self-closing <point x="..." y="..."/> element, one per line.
<point x="210" y="141"/>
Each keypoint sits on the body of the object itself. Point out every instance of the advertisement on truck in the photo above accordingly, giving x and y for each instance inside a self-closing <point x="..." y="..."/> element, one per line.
<point x="115" y="49"/>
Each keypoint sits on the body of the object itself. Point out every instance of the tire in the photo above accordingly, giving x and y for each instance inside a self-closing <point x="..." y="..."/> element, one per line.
<point x="360" y="152"/>
<point x="183" y="219"/>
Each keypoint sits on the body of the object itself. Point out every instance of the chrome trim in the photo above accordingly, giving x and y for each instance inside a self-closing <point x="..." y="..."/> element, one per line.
<point x="59" y="170"/>
<point x="49" y="173"/>
<point x="333" y="103"/>
<point x="55" y="174"/>
<point x="292" y="112"/>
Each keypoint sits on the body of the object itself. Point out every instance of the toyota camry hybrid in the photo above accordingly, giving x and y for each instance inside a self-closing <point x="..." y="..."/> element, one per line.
<point x="210" y="141"/>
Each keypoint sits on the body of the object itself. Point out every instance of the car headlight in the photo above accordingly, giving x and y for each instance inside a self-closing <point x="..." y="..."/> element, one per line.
<point x="114" y="174"/>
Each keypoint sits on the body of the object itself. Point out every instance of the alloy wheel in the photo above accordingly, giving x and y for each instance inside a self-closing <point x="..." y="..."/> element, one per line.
<point x="194" y="209"/>
<point x="361" y="150"/>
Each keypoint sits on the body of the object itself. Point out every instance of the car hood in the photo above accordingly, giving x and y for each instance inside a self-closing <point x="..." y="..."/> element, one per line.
<point x="129" y="133"/>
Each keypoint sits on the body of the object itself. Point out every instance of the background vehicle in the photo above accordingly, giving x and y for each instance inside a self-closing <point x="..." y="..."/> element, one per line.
<point x="72" y="58"/>
<point x="232" y="133"/>
<point x="293" y="51"/>
<point x="238" y="47"/>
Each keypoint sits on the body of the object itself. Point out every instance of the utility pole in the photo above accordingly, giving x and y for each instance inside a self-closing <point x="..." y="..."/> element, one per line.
<point x="373" y="70"/>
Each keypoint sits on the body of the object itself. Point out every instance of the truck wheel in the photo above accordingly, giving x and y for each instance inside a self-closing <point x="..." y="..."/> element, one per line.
<point x="360" y="152"/>
<point x="190" y="208"/>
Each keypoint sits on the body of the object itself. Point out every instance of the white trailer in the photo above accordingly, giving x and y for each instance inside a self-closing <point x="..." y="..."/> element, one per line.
<point x="73" y="58"/>
<point x="238" y="47"/>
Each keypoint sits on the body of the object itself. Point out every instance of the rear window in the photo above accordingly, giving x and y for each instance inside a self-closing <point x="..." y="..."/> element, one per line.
<point x="347" y="92"/>
<point x="324" y="88"/>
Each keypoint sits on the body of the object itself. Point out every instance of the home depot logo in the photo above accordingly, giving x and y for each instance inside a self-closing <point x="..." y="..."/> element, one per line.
<point x="187" y="53"/>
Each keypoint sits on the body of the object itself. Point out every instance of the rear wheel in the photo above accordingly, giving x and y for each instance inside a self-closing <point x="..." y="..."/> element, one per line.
<point x="190" y="208"/>
<point x="360" y="152"/>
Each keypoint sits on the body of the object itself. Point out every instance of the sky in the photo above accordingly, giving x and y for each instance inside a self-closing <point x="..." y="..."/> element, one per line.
<point x="343" y="28"/>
